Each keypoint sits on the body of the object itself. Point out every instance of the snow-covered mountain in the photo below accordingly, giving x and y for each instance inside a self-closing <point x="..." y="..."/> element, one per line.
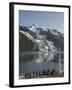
<point x="43" y="39"/>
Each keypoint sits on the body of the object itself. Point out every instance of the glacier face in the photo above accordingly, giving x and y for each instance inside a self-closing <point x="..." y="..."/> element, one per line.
<point x="42" y="38"/>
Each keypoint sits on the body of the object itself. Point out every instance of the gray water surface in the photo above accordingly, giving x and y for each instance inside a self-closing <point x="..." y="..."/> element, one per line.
<point x="38" y="61"/>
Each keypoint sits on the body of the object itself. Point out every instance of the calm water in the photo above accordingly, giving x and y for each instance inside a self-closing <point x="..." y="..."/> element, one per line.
<point x="30" y="62"/>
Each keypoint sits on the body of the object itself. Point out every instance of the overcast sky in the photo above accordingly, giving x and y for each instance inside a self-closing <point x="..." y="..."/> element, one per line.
<point x="50" y="20"/>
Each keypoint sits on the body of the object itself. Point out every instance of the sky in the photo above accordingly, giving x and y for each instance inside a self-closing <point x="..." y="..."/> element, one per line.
<point x="50" y="20"/>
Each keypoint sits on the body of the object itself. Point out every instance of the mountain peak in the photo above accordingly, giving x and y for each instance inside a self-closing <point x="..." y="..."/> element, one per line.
<point x="34" y="25"/>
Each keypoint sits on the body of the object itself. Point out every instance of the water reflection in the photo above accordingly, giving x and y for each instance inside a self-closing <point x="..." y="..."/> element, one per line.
<point x="40" y="63"/>
<point x="38" y="57"/>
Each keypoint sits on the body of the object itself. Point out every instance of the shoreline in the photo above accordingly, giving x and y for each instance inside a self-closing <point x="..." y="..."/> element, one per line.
<point x="50" y="74"/>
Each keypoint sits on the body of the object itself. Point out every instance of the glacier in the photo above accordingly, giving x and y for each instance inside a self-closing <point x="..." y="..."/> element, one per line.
<point x="41" y="41"/>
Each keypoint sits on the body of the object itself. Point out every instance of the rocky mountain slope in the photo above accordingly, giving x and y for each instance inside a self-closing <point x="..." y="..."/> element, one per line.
<point x="36" y="38"/>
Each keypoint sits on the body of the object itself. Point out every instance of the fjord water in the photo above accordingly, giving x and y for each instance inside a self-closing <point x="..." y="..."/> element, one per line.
<point x="30" y="62"/>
